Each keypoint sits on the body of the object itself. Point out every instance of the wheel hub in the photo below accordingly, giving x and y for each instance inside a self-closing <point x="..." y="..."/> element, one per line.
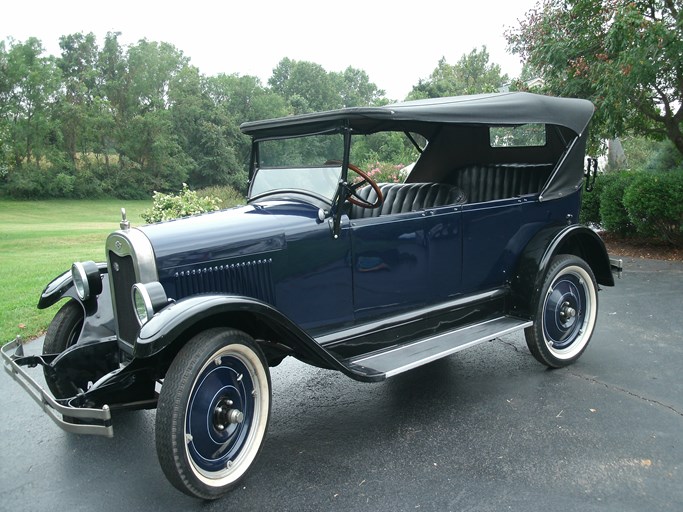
<point x="567" y="312"/>
<point x="224" y="415"/>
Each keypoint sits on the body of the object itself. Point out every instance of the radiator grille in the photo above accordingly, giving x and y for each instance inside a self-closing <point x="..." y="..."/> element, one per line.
<point x="123" y="279"/>
<point x="251" y="279"/>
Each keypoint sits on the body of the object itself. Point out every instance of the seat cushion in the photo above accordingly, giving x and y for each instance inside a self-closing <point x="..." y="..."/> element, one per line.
<point x="407" y="197"/>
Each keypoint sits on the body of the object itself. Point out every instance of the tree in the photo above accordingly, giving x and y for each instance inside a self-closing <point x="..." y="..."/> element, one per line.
<point x="28" y="89"/>
<point x="79" y="78"/>
<point x="204" y="131"/>
<point x="355" y="88"/>
<point x="473" y="74"/>
<point x="305" y="85"/>
<point x="625" y="56"/>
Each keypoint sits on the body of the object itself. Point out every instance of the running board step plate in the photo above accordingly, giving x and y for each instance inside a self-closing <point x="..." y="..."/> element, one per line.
<point x="395" y="360"/>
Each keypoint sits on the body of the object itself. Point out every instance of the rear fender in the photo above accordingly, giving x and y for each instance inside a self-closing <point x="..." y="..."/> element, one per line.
<point x="539" y="252"/>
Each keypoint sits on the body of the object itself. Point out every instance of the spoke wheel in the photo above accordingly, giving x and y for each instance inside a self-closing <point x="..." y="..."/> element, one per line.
<point x="62" y="333"/>
<point x="213" y="412"/>
<point x="565" y="314"/>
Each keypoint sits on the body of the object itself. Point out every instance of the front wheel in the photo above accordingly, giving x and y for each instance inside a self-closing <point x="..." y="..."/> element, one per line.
<point x="213" y="412"/>
<point x="62" y="333"/>
<point x="565" y="313"/>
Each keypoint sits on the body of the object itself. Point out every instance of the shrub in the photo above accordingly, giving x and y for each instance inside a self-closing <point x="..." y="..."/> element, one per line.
<point x="62" y="185"/>
<point x="384" y="172"/>
<point x="654" y="201"/>
<point x="87" y="185"/>
<point x="226" y="195"/>
<point x="184" y="204"/>
<point x="26" y="183"/>
<point x="613" y="214"/>
<point x="590" y="203"/>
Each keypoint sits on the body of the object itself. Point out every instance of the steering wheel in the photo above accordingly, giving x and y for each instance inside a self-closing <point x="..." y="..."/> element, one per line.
<point x="354" y="198"/>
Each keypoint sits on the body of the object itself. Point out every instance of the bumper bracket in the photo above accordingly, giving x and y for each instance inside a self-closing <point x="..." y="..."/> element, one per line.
<point x="77" y="420"/>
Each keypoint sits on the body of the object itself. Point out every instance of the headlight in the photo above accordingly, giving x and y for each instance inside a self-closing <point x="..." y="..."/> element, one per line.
<point x="86" y="278"/>
<point x="148" y="299"/>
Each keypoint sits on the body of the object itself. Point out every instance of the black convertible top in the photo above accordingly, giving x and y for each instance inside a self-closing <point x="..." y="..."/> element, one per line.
<point x="510" y="108"/>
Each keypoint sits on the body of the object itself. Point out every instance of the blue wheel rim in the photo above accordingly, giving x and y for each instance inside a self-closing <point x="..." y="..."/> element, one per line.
<point x="567" y="294"/>
<point x="213" y="449"/>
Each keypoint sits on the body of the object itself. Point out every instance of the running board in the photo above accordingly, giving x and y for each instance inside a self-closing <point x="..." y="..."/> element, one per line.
<point x="392" y="361"/>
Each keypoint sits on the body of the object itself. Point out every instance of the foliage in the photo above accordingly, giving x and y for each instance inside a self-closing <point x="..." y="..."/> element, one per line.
<point x="613" y="214"/>
<point x="472" y="74"/>
<point x="638" y="151"/>
<point x="590" y="203"/>
<point x="173" y="206"/>
<point x="391" y="147"/>
<point x="120" y="120"/>
<point x="665" y="157"/>
<point x="307" y="87"/>
<point x="627" y="57"/>
<point x="654" y="202"/>
<point x="385" y="172"/>
<point x="226" y="195"/>
<point x="643" y="203"/>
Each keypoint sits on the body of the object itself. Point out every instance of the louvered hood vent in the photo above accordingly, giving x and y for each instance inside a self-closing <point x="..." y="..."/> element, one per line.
<point x="250" y="279"/>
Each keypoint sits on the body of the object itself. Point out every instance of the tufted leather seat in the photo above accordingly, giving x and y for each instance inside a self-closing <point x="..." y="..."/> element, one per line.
<point x="407" y="197"/>
<point x="490" y="182"/>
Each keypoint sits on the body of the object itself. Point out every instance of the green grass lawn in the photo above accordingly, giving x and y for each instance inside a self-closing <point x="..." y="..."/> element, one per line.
<point x="41" y="239"/>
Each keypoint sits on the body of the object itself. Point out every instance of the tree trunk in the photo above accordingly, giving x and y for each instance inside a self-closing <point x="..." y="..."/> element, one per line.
<point x="673" y="131"/>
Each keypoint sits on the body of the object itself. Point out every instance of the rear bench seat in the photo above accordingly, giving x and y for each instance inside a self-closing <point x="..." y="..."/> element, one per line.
<point x="407" y="197"/>
<point x="489" y="182"/>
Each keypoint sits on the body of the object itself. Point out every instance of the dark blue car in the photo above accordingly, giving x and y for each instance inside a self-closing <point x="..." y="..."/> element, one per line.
<point x="478" y="238"/>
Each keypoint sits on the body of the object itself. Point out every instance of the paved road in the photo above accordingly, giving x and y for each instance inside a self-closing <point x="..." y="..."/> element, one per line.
<point x="487" y="429"/>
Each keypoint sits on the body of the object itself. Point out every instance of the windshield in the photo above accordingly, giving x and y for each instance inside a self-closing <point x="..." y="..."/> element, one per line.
<point x="318" y="181"/>
<point x="309" y="165"/>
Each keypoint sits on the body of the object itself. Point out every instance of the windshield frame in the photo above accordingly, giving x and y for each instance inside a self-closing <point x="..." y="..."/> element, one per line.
<point x="330" y="203"/>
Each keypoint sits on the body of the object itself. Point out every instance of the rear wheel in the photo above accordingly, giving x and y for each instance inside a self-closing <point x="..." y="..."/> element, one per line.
<point x="565" y="313"/>
<point x="62" y="333"/>
<point x="213" y="412"/>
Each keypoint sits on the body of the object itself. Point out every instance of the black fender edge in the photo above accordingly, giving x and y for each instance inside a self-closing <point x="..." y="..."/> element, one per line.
<point x="63" y="286"/>
<point x="168" y="330"/>
<point x="98" y="312"/>
<point x="576" y="239"/>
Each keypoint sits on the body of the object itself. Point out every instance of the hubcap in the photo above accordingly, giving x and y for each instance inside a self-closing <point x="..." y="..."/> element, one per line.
<point x="564" y="311"/>
<point x="220" y="414"/>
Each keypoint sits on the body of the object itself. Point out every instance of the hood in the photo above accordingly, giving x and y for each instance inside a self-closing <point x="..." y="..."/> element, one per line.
<point x="214" y="237"/>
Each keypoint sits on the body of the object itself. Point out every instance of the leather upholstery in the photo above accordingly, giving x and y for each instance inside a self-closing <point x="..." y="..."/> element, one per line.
<point x="407" y="197"/>
<point x="490" y="182"/>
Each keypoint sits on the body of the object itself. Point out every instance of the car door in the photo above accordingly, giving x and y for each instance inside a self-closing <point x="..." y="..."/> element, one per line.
<point x="390" y="259"/>
<point x="443" y="233"/>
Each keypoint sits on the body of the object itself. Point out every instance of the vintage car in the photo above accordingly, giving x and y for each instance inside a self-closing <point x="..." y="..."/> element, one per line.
<point x="324" y="264"/>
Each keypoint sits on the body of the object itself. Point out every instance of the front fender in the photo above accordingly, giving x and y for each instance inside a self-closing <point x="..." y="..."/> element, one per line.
<point x="63" y="286"/>
<point x="178" y="321"/>
<point x="539" y="252"/>
<point x="98" y="313"/>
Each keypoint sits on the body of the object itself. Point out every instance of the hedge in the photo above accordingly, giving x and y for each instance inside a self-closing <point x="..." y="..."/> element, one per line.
<point x="647" y="204"/>
<point x="654" y="202"/>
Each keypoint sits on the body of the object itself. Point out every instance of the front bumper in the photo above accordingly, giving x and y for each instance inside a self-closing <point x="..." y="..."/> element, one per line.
<point x="81" y="420"/>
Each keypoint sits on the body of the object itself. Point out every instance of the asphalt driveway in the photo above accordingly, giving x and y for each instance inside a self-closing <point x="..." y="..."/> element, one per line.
<point x="486" y="429"/>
